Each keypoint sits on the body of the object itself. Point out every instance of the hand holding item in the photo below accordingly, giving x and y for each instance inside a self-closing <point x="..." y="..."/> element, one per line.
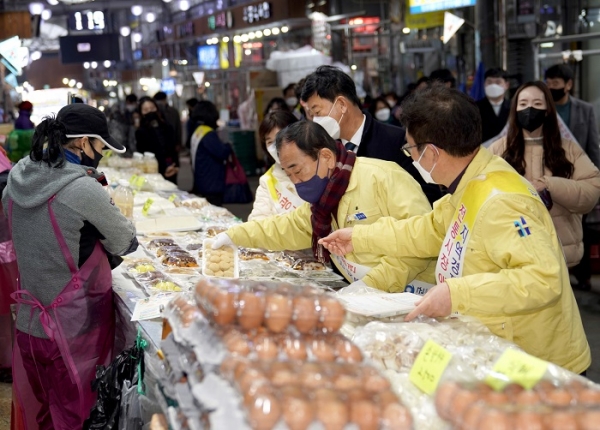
<point x="221" y="240"/>
<point x="436" y="303"/>
<point x="339" y="242"/>
<point x="171" y="171"/>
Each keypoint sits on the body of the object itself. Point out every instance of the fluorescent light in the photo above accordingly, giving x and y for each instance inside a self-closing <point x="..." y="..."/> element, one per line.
<point x="207" y="84"/>
<point x="86" y="65"/>
<point x="285" y="29"/>
<point x="93" y="64"/>
<point x="165" y="62"/>
<point x="35" y="55"/>
<point x="36" y="8"/>
<point x="275" y="31"/>
<point x="107" y="63"/>
<point x="79" y="85"/>
<point x="137" y="37"/>
<point x="150" y="17"/>
<point x="72" y="83"/>
<point x="237" y="39"/>
<point x="225" y="39"/>
<point x="46" y="14"/>
<point x="184" y="5"/>
<point x="52" y="2"/>
<point x="137" y="10"/>
<point x="258" y="34"/>
<point x="125" y="31"/>
<point x="406" y="30"/>
<point x="244" y="37"/>
<point x="248" y="52"/>
<point x="267" y="32"/>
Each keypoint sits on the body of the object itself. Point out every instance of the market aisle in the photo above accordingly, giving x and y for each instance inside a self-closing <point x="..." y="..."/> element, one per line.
<point x="5" y="401"/>
<point x="589" y="306"/>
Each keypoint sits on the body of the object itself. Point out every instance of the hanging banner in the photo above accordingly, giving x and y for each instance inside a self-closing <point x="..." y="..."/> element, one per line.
<point x="421" y="21"/>
<point x="421" y="6"/>
<point x="451" y="25"/>
<point x="224" y="55"/>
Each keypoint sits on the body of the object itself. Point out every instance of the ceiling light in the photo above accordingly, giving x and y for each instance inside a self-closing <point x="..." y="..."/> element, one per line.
<point x="93" y="64"/>
<point x="137" y="10"/>
<point x="285" y="29"/>
<point x="165" y="62"/>
<point x="244" y="38"/>
<point x="36" y="8"/>
<point x="251" y="35"/>
<point x="105" y="83"/>
<point x="406" y="30"/>
<point x="248" y="52"/>
<point x="184" y="5"/>
<point x="107" y="64"/>
<point x="258" y="34"/>
<point x="267" y="32"/>
<point x="150" y="17"/>
<point x="137" y="37"/>
<point x="112" y="94"/>
<point x="125" y="31"/>
<point x="46" y="14"/>
<point x="207" y="84"/>
<point x="353" y="67"/>
<point x="86" y="65"/>
<point x="275" y="31"/>
<point x="52" y="2"/>
<point x="225" y="39"/>
<point x="72" y="83"/>
<point x="184" y="62"/>
<point x="79" y="85"/>
<point x="237" y="39"/>
<point x="65" y="81"/>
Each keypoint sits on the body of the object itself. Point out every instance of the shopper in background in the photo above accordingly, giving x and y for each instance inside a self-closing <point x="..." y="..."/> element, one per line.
<point x="190" y="126"/>
<point x="444" y="76"/>
<point x="289" y="95"/>
<point x="157" y="136"/>
<point x="276" y="193"/>
<point x="494" y="107"/>
<point x="120" y="128"/>
<point x="275" y="104"/>
<point x="208" y="154"/>
<point x="499" y="258"/>
<point x="330" y="94"/>
<point x="24" y="122"/>
<point x="302" y="111"/>
<point x="380" y="110"/>
<point x="64" y="230"/>
<point x="131" y="111"/>
<point x="171" y="116"/>
<point x="341" y="190"/>
<point x="560" y="171"/>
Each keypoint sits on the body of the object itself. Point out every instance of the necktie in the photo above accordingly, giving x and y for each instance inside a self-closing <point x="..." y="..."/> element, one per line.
<point x="351" y="146"/>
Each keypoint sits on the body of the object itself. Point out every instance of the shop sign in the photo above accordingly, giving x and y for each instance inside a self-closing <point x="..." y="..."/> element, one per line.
<point x="424" y="20"/>
<point x="86" y="20"/>
<point x="421" y="6"/>
<point x="224" y="56"/>
<point x="168" y="86"/>
<point x="220" y="20"/>
<point x="257" y="12"/>
<point x="185" y="30"/>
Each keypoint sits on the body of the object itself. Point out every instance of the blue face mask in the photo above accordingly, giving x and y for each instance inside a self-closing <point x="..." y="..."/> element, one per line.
<point x="311" y="191"/>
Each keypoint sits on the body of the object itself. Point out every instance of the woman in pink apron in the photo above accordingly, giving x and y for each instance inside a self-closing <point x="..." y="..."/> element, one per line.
<point x="66" y="234"/>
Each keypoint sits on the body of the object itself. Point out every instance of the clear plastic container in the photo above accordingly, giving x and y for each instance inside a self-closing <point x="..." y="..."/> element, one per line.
<point x="123" y="198"/>
<point x="138" y="162"/>
<point x="150" y="163"/>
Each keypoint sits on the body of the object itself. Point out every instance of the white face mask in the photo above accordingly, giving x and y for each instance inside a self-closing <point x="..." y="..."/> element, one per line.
<point x="331" y="126"/>
<point x="424" y="173"/>
<point x="391" y="102"/>
<point x="494" y="91"/>
<point x="273" y="151"/>
<point x="291" y="102"/>
<point x="383" y="114"/>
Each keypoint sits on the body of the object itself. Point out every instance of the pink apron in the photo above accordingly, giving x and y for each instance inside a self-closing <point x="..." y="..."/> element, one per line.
<point x="80" y="321"/>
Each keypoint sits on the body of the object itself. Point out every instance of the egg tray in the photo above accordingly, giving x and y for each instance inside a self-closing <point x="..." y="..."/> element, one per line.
<point x="276" y="306"/>
<point x="220" y="263"/>
<point x="299" y="394"/>
<point x="547" y="406"/>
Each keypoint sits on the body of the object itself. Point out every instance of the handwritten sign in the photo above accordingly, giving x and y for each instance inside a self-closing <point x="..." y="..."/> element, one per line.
<point x="147" y="206"/>
<point x="429" y="367"/>
<point x="518" y="367"/>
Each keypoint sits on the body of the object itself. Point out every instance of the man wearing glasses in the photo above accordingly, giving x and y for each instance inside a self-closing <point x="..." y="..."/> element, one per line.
<point x="498" y="255"/>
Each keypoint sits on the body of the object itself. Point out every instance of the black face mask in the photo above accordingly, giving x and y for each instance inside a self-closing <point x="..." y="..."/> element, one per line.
<point x="91" y="162"/>
<point x="531" y="118"/>
<point x="557" y="94"/>
<point x="151" y="117"/>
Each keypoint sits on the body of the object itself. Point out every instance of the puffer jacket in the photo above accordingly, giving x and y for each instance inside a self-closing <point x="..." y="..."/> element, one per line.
<point x="266" y="202"/>
<point x="572" y="197"/>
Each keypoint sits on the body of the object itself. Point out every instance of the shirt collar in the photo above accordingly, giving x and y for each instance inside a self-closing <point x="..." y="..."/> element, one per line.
<point x="454" y="185"/>
<point x="72" y="158"/>
<point x="356" y="139"/>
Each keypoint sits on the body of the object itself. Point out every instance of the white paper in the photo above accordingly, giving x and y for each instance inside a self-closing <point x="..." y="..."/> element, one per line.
<point x="380" y="305"/>
<point x="150" y="307"/>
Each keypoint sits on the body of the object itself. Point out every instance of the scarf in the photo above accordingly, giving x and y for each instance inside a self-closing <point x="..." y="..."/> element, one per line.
<point x="330" y="200"/>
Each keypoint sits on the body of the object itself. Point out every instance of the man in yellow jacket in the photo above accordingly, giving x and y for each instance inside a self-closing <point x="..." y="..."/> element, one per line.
<point x="498" y="255"/>
<point x="341" y="190"/>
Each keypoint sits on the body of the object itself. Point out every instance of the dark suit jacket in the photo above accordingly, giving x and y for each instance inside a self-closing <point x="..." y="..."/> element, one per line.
<point x="492" y="124"/>
<point x="584" y="128"/>
<point x="384" y="141"/>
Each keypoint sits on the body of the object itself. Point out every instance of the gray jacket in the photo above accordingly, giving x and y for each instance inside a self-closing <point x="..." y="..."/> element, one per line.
<point x="584" y="128"/>
<point x="80" y="201"/>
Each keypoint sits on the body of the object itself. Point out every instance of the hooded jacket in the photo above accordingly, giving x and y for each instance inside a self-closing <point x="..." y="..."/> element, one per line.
<point x="84" y="213"/>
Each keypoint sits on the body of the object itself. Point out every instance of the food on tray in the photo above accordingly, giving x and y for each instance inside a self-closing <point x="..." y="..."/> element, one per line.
<point x="308" y="265"/>
<point x="142" y="268"/>
<point x="214" y="230"/>
<point x="197" y="203"/>
<point x="247" y="254"/>
<point x="219" y="262"/>
<point x="183" y="309"/>
<point x="157" y="243"/>
<point x="300" y="260"/>
<point x="194" y="247"/>
<point x="165" y="285"/>
<point x="150" y="276"/>
<point x="164" y="250"/>
<point x="180" y="260"/>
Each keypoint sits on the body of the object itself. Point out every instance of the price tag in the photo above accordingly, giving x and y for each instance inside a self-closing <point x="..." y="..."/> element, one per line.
<point x="172" y="198"/>
<point x="133" y="179"/>
<point x="518" y="367"/>
<point x="429" y="367"/>
<point x="139" y="182"/>
<point x="146" y="207"/>
<point x="107" y="154"/>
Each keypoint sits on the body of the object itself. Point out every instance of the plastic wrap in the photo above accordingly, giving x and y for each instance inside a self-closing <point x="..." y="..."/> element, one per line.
<point x="220" y="263"/>
<point x="247" y="254"/>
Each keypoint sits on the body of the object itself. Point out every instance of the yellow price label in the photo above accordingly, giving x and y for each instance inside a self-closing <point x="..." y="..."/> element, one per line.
<point x="133" y="179"/>
<point x="139" y="182"/>
<point x="172" y="198"/>
<point x="518" y="367"/>
<point x="147" y="206"/>
<point x="108" y="153"/>
<point x="429" y="367"/>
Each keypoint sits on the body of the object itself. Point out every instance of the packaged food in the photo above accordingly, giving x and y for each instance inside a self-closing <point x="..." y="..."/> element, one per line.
<point x="164" y="250"/>
<point x="300" y="260"/>
<point x="141" y="265"/>
<point x="157" y="243"/>
<point x="212" y="231"/>
<point x="164" y="285"/>
<point x="180" y="260"/>
<point x="247" y="254"/>
<point x="194" y="247"/>
<point x="220" y="263"/>
<point x="274" y="305"/>
<point x="193" y="203"/>
<point x="183" y="309"/>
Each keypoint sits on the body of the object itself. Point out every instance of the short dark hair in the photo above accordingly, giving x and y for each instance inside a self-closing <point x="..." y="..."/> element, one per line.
<point x="191" y="102"/>
<point x="308" y="136"/>
<point x="131" y="98"/>
<point x="443" y="75"/>
<point x="279" y="119"/>
<point x="289" y="87"/>
<point x="299" y="88"/>
<point x="423" y="79"/>
<point x="329" y="83"/>
<point x="277" y="101"/>
<point x="444" y="117"/>
<point x="146" y="99"/>
<point x="559" y="71"/>
<point x="160" y="96"/>
<point x="373" y="106"/>
<point x="205" y="113"/>
<point x="496" y="72"/>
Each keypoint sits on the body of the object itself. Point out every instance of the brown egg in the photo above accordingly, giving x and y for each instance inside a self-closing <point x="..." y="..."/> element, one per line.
<point x="443" y="398"/>
<point x="471" y="417"/>
<point x="365" y="414"/>
<point x="558" y="397"/>
<point x="461" y="400"/>
<point x="332" y="314"/>
<point x="228" y="366"/>
<point x="348" y="351"/>
<point x="544" y="387"/>
<point x="333" y="414"/>
<point x="562" y="420"/>
<point x="223" y="307"/>
<point x="589" y="397"/>
<point x="264" y="413"/>
<point x="345" y="382"/>
<point x="512" y="390"/>
<point x="376" y="383"/>
<point x="242" y="367"/>
<point x="527" y="397"/>
<point x="266" y="348"/>
<point x="249" y="378"/>
<point x="293" y="391"/>
<point x="482" y="389"/>
<point x="283" y="378"/>
<point x="238" y="345"/>
<point x="356" y="394"/>
<point x="496" y="419"/>
<point x="590" y="420"/>
<point x="312" y="379"/>
<point x="256" y="391"/>
<point x="295" y="349"/>
<point x="298" y="413"/>
<point x="305" y="314"/>
<point x="387" y="398"/>
<point x="529" y="420"/>
<point x="575" y="386"/>
<point x="322" y="394"/>
<point x="397" y="417"/>
<point x="322" y="350"/>
<point x="251" y="310"/>
<point x="496" y="398"/>
<point x="278" y="312"/>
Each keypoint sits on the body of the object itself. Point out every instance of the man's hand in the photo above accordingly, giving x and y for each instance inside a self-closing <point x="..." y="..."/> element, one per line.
<point x="339" y="242"/>
<point x="171" y="171"/>
<point x="221" y="240"/>
<point x="436" y="303"/>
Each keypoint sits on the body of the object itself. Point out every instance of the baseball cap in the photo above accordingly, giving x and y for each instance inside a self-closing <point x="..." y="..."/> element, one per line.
<point x="84" y="120"/>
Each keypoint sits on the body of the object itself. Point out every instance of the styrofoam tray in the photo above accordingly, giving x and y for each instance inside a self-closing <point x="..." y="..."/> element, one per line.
<point x="207" y="250"/>
<point x="168" y="224"/>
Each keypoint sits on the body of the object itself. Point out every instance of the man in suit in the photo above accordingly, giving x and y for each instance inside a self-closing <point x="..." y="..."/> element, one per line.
<point x="579" y="117"/>
<point x="330" y="95"/>
<point x="494" y="108"/>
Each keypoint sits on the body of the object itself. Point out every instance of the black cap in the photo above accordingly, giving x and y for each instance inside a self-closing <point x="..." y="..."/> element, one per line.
<point x="84" y="120"/>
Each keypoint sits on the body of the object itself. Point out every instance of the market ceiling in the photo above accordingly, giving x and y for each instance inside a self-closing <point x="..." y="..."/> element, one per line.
<point x="66" y="6"/>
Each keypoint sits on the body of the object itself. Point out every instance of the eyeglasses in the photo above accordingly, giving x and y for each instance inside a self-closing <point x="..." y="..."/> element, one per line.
<point x="406" y="148"/>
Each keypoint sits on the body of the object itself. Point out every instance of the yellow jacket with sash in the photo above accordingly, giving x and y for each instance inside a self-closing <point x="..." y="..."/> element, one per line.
<point x="267" y="202"/>
<point x="376" y="189"/>
<point x="514" y="276"/>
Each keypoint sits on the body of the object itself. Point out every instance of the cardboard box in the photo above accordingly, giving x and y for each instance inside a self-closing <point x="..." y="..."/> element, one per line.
<point x="263" y="78"/>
